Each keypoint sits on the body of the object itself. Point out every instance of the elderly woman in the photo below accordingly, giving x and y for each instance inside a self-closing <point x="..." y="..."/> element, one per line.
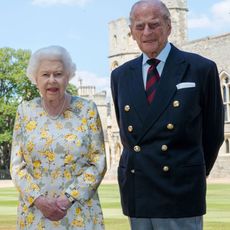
<point x="58" y="157"/>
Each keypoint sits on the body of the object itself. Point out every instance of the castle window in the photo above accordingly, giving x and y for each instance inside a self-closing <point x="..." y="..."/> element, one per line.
<point x="114" y="65"/>
<point x="227" y="146"/>
<point x="115" y="39"/>
<point x="225" y="84"/>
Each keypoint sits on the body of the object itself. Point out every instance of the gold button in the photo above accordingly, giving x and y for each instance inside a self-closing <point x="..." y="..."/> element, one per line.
<point x="176" y="104"/>
<point x="137" y="148"/>
<point x="165" y="168"/>
<point x="170" y="126"/>
<point x="130" y="128"/>
<point x="127" y="108"/>
<point x="132" y="170"/>
<point x="164" y="148"/>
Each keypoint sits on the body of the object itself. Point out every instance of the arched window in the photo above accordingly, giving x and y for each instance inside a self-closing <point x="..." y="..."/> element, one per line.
<point x="225" y="85"/>
<point x="114" y="65"/>
<point x="117" y="152"/>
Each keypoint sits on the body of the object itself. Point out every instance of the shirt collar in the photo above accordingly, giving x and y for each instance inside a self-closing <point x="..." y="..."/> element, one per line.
<point x="162" y="56"/>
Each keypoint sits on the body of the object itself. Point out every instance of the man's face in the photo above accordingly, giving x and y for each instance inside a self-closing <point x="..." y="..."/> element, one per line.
<point x="150" y="29"/>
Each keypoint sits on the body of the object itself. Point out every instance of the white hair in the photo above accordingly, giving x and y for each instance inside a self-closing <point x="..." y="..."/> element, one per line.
<point x="50" y="53"/>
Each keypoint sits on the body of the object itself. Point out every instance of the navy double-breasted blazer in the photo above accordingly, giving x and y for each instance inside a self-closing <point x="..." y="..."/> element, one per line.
<point x="170" y="146"/>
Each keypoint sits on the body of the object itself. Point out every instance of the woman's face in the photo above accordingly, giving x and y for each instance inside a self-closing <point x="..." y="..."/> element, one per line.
<point x="52" y="79"/>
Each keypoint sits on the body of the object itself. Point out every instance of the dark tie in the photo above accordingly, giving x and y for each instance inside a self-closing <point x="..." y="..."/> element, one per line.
<point x="152" y="79"/>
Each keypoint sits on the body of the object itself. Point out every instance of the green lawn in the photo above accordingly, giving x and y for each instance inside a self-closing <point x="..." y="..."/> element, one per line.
<point x="217" y="218"/>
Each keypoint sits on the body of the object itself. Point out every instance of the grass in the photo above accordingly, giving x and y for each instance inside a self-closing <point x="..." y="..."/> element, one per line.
<point x="217" y="217"/>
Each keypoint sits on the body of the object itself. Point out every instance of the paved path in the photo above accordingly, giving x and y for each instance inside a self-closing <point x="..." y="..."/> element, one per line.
<point x="6" y="184"/>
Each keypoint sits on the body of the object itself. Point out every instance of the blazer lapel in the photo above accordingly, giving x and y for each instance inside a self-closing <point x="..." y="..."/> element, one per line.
<point x="172" y="74"/>
<point x="136" y="88"/>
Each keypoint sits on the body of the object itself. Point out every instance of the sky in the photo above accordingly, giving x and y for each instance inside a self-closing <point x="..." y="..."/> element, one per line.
<point x="81" y="26"/>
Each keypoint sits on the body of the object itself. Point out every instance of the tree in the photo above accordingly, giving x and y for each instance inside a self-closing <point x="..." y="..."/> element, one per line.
<point x="14" y="88"/>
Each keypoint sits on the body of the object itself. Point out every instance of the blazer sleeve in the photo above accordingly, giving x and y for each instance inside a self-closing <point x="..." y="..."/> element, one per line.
<point x="213" y="118"/>
<point x="114" y="91"/>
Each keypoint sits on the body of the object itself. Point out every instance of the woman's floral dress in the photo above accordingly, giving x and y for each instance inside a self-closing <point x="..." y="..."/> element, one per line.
<point x="50" y="157"/>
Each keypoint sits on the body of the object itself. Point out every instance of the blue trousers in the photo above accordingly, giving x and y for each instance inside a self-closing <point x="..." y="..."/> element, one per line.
<point x="188" y="223"/>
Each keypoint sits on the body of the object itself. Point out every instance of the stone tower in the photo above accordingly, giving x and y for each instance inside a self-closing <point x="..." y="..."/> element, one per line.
<point x="178" y="10"/>
<point x="122" y="47"/>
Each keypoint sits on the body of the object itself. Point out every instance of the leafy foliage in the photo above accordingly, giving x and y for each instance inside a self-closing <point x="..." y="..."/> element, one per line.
<point x="14" y="87"/>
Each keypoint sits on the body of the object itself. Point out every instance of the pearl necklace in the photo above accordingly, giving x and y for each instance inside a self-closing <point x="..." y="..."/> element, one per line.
<point x="59" y="113"/>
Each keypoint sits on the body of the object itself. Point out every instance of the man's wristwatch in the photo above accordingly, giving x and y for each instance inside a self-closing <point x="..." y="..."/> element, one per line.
<point x="70" y="198"/>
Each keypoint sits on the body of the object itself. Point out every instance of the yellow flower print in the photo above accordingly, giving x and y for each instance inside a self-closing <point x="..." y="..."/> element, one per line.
<point x="78" y="143"/>
<point x="81" y="128"/>
<point x="31" y="125"/>
<point x="74" y="193"/>
<point x="20" y="152"/>
<point x="91" y="113"/>
<point x="50" y="155"/>
<point x="28" y="178"/>
<point x="49" y="141"/>
<point x="95" y="220"/>
<point x="44" y="134"/>
<point x="37" y="164"/>
<point x="24" y="208"/>
<point x="34" y="187"/>
<point x="40" y="225"/>
<point x="30" y="218"/>
<point x="93" y="157"/>
<point x="21" y="174"/>
<point x="93" y="127"/>
<point x="67" y="175"/>
<point x="59" y="125"/>
<point x="30" y="146"/>
<point x="30" y="199"/>
<point x="89" y="178"/>
<point x="22" y="224"/>
<point x="37" y="175"/>
<point x="42" y="114"/>
<point x="70" y="137"/>
<point x="79" y="105"/>
<point x="56" y="223"/>
<point x="89" y="203"/>
<point x="73" y="167"/>
<point x="67" y="114"/>
<point x="25" y="119"/>
<point x="79" y="222"/>
<point x="55" y="174"/>
<point x="78" y="211"/>
<point x="27" y="157"/>
<point x="68" y="159"/>
<point x="84" y="121"/>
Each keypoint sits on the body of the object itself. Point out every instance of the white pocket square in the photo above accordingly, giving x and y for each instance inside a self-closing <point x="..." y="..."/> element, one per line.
<point x="184" y="85"/>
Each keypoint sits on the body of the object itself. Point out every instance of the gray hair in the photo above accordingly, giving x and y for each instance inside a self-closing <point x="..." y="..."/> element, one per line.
<point x="50" y="53"/>
<point x="163" y="8"/>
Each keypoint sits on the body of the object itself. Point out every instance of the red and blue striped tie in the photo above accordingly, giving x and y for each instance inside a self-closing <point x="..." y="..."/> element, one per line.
<point x="152" y="79"/>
